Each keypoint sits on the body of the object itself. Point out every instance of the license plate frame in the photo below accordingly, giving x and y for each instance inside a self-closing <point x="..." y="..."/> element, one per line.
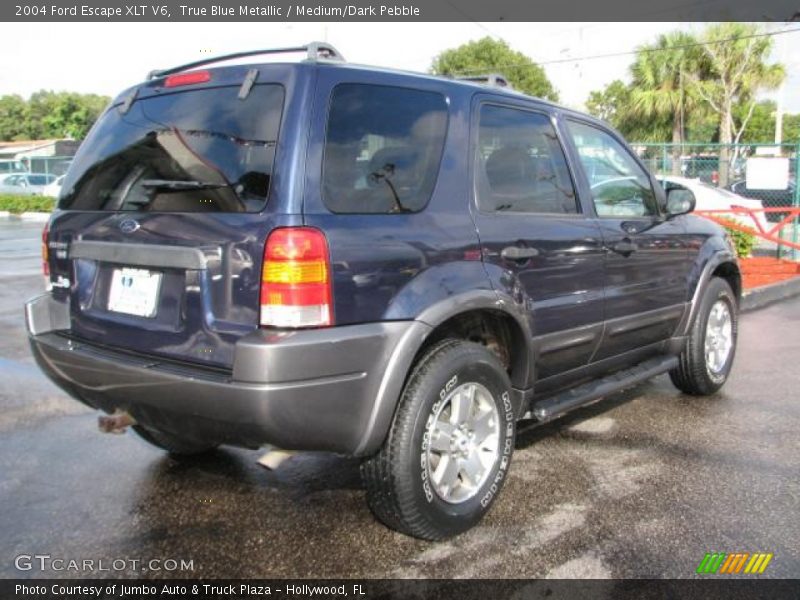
<point x="134" y="292"/>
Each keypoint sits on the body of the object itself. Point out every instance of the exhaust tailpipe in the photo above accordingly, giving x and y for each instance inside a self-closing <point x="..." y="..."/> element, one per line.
<point x="273" y="458"/>
<point x="115" y="423"/>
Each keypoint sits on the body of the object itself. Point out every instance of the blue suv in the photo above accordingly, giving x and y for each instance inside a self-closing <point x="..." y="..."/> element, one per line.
<point x="394" y="266"/>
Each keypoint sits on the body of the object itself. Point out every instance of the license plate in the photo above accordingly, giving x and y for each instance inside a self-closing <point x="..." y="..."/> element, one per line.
<point x="134" y="292"/>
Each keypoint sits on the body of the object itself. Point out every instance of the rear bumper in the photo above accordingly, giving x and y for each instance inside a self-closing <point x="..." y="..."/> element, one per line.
<point x="328" y="389"/>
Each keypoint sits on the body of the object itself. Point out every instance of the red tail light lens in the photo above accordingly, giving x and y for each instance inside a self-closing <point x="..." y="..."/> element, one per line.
<point x="46" y="256"/>
<point x="295" y="279"/>
<point x="190" y="78"/>
<point x="45" y="251"/>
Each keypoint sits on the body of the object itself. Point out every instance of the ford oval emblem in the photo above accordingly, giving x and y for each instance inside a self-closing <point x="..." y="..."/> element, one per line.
<point x="129" y="226"/>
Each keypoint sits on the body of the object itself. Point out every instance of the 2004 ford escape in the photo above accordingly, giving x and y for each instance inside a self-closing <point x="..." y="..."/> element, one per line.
<point x="321" y="256"/>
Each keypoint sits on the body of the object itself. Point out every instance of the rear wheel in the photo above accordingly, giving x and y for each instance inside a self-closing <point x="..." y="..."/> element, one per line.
<point x="449" y="448"/>
<point x="708" y="357"/>
<point x="176" y="446"/>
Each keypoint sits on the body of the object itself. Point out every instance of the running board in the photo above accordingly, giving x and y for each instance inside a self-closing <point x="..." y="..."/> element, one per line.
<point x="555" y="406"/>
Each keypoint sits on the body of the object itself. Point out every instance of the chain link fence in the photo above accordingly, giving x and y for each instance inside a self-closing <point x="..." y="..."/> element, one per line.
<point x="764" y="172"/>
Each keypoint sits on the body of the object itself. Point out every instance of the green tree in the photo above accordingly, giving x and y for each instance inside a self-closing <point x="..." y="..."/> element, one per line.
<point x="492" y="56"/>
<point x="39" y="106"/>
<point x="614" y="105"/>
<point x="660" y="80"/>
<point x="791" y="129"/>
<point x="761" y="124"/>
<point x="63" y="114"/>
<point x="733" y="70"/>
<point x="610" y="104"/>
<point x="702" y="125"/>
<point x="12" y="117"/>
<point x="49" y="114"/>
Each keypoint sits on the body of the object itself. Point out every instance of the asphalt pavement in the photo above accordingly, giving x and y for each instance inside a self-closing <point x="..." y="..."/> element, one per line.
<point x="642" y="484"/>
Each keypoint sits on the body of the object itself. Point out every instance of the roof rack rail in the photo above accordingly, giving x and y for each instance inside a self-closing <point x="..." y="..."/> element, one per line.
<point x="490" y="79"/>
<point x="314" y="51"/>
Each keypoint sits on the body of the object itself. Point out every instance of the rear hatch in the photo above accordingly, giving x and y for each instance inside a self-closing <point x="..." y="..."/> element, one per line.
<point x="159" y="239"/>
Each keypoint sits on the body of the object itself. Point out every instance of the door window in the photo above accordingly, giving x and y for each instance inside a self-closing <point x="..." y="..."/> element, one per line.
<point x="520" y="166"/>
<point x="620" y="187"/>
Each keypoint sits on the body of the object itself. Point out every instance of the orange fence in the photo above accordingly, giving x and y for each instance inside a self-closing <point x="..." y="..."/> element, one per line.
<point x="770" y="233"/>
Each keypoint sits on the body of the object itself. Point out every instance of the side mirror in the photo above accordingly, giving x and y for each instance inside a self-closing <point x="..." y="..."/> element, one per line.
<point x="680" y="202"/>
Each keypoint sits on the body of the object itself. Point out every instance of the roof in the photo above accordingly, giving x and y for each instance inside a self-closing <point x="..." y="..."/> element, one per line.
<point x="323" y="55"/>
<point x="440" y="78"/>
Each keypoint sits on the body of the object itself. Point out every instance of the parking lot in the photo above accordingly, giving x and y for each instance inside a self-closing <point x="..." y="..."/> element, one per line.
<point x="642" y="484"/>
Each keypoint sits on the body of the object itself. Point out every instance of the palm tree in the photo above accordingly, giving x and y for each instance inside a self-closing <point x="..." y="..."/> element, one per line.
<point x="732" y="71"/>
<point x="659" y="88"/>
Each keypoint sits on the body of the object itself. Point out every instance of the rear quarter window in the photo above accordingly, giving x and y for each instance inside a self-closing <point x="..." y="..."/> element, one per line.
<point x="383" y="148"/>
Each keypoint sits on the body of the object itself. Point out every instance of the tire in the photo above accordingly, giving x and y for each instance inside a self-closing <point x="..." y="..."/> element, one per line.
<point x="176" y="446"/>
<point x="410" y="483"/>
<point x="700" y="373"/>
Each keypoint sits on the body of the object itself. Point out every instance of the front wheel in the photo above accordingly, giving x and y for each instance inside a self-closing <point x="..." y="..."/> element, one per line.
<point x="449" y="448"/>
<point x="708" y="357"/>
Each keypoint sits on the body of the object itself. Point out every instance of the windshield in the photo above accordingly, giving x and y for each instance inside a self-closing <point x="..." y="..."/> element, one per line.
<point x="195" y="151"/>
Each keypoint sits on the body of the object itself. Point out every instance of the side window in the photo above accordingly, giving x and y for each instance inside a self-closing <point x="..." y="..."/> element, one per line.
<point x="620" y="187"/>
<point x="383" y="147"/>
<point x="520" y="165"/>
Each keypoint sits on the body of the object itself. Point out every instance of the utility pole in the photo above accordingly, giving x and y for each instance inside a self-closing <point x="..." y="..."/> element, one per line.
<point x="779" y="118"/>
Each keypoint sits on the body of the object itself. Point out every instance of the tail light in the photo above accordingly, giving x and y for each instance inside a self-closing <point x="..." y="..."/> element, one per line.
<point x="296" y="279"/>
<point x="46" y="255"/>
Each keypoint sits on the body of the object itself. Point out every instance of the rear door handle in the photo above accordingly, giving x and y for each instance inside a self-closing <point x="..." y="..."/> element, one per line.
<point x="518" y="254"/>
<point x="625" y="247"/>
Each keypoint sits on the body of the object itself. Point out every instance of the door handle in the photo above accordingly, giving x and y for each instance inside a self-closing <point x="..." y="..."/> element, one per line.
<point x="518" y="254"/>
<point x="625" y="247"/>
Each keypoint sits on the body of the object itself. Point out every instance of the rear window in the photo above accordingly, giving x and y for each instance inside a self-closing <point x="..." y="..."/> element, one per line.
<point x="382" y="149"/>
<point x="195" y="151"/>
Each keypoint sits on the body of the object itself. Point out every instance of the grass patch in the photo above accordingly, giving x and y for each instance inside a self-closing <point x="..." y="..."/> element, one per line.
<point x="19" y="204"/>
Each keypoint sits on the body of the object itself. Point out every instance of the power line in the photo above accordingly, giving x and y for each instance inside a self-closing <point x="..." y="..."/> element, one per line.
<point x="469" y="17"/>
<point x="633" y="52"/>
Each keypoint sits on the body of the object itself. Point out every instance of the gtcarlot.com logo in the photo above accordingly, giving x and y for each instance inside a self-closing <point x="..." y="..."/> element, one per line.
<point x="47" y="562"/>
<point x="734" y="563"/>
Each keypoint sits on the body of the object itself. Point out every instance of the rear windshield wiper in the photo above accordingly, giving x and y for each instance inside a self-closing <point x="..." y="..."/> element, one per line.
<point x="179" y="184"/>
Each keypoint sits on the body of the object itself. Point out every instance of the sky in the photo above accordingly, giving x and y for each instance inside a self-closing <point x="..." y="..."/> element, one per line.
<point x="105" y="58"/>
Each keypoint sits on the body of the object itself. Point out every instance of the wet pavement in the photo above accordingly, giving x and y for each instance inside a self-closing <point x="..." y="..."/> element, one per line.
<point x="642" y="484"/>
